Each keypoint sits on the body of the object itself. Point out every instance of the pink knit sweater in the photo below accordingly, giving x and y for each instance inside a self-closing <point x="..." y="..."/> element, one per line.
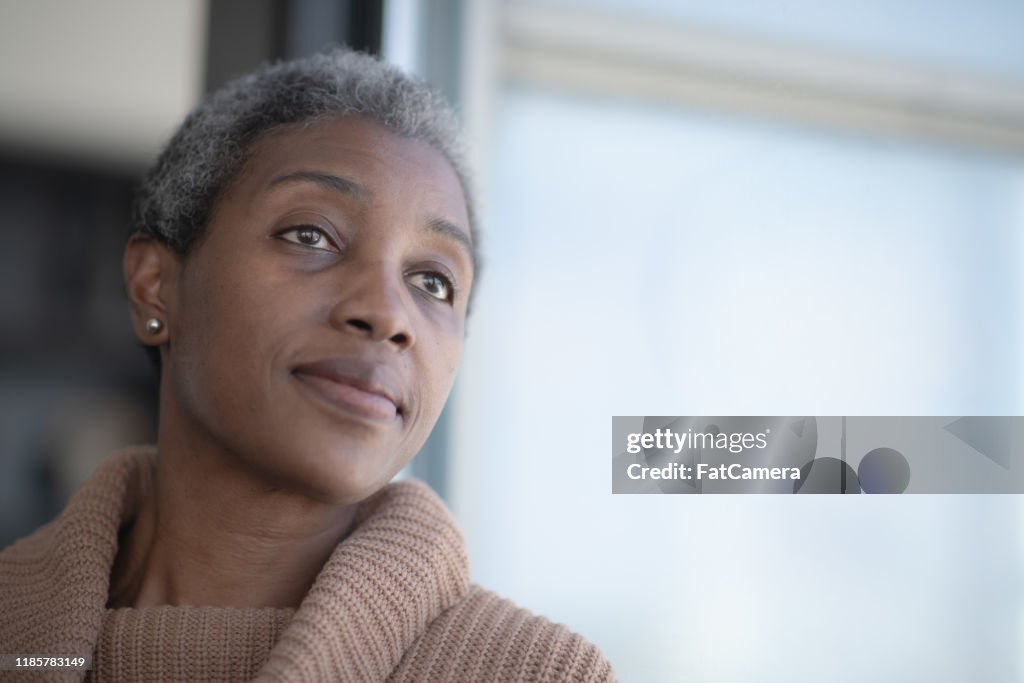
<point x="393" y="603"/>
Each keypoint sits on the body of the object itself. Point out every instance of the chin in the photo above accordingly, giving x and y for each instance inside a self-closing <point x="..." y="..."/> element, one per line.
<point x="335" y="472"/>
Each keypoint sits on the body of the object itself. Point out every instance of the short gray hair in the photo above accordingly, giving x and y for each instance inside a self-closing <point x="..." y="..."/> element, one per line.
<point x="211" y="147"/>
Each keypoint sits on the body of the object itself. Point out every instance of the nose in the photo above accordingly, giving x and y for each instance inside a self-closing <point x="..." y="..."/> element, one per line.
<point x="373" y="303"/>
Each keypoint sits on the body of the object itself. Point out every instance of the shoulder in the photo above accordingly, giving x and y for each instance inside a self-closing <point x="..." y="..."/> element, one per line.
<point x="484" y="637"/>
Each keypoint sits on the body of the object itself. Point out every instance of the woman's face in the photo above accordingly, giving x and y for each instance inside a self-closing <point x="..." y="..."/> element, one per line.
<point x="315" y="330"/>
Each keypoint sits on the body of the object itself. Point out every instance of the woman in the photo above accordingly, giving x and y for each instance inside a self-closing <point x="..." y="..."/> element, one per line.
<point x="302" y="267"/>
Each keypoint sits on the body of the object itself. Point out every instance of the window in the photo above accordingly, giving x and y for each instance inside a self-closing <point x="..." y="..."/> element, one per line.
<point x="662" y="239"/>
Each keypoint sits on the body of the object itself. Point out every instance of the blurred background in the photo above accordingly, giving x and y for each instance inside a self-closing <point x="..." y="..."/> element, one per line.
<point x="690" y="208"/>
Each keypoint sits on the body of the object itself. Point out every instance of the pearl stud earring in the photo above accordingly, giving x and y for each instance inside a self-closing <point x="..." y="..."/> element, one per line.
<point x="154" y="325"/>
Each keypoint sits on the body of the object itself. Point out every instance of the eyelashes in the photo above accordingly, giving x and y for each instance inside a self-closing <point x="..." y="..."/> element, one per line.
<point x="309" y="236"/>
<point x="435" y="284"/>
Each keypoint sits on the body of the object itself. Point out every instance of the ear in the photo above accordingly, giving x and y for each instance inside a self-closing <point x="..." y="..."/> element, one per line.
<point x="150" y="277"/>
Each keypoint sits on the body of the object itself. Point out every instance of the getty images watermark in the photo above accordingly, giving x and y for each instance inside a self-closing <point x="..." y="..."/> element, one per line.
<point x="743" y="454"/>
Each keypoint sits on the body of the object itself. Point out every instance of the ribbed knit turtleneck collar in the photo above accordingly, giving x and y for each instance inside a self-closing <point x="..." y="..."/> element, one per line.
<point x="403" y="564"/>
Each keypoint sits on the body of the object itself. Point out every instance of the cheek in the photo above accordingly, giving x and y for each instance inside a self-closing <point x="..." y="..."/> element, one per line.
<point x="231" y="328"/>
<point x="442" y="363"/>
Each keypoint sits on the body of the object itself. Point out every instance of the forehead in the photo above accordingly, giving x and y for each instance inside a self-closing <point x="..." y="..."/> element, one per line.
<point x="383" y="164"/>
<point x="407" y="183"/>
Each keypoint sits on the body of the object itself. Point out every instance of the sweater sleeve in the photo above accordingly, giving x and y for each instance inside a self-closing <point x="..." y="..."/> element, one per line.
<point x="485" y="637"/>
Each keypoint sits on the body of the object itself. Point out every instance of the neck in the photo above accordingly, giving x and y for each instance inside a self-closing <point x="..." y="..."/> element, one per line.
<point x="212" y="533"/>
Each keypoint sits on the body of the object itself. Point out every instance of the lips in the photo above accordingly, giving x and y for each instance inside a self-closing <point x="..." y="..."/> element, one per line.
<point x="364" y="389"/>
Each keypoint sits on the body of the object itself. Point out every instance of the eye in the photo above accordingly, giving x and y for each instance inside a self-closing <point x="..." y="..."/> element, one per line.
<point x="309" y="236"/>
<point x="434" y="284"/>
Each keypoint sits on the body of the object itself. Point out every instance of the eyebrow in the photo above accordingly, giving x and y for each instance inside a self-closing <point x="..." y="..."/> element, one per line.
<point x="351" y="188"/>
<point x="327" y="180"/>
<point x="442" y="227"/>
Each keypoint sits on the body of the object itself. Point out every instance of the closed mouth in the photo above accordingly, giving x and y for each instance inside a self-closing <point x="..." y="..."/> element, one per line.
<point x="353" y="386"/>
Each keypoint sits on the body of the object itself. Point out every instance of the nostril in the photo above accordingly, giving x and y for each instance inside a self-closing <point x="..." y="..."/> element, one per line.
<point x="379" y="330"/>
<point x="360" y="325"/>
